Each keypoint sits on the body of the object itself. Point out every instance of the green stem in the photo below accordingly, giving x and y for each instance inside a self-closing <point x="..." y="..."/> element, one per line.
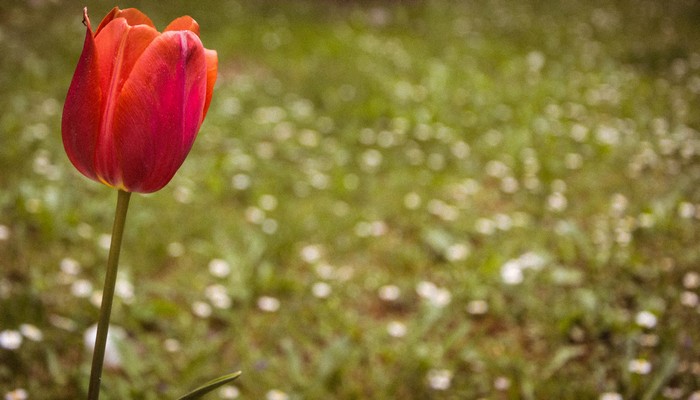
<point x="108" y="295"/>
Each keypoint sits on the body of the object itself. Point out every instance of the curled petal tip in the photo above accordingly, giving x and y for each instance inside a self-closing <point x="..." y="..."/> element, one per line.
<point x="86" y="19"/>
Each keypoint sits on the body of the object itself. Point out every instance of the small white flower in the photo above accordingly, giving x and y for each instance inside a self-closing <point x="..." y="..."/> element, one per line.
<point x="96" y="298"/>
<point x="686" y="210"/>
<point x="557" y="202"/>
<point x="124" y="289"/>
<point x="646" y="220"/>
<point x="645" y="319"/>
<point x="201" y="309"/>
<point x="485" y="226"/>
<point x="535" y="61"/>
<point x="690" y="299"/>
<point x="477" y="307"/>
<point x="512" y="270"/>
<point x="321" y="290"/>
<point x="607" y="135"/>
<point x="443" y="210"/>
<point x="115" y="336"/>
<point x="219" y="268"/>
<point x="218" y="296"/>
<point x="503" y="221"/>
<point x="639" y="366"/>
<point x="254" y="215"/>
<point x="426" y="289"/>
<point x="81" y="288"/>
<point x="389" y="292"/>
<point x="501" y="383"/>
<point x="182" y="194"/>
<point x="378" y="228"/>
<point x="268" y="304"/>
<point x="460" y="149"/>
<point x="17" y="394"/>
<point x="691" y="280"/>
<point x="4" y="232"/>
<point x="276" y="394"/>
<point x="371" y="160"/>
<point x="311" y="253"/>
<point x="31" y="332"/>
<point x="240" y="181"/>
<point x="610" y="396"/>
<point x="10" y="339"/>
<point x="436" y="296"/>
<point x="172" y="345"/>
<point x="229" y="392"/>
<point x="440" y="379"/>
<point x="496" y="169"/>
<point x="512" y="273"/>
<point x="70" y="267"/>
<point x="457" y="252"/>
<point x="509" y="184"/>
<point x="396" y="329"/>
<point x="105" y="241"/>
<point x="619" y="203"/>
<point x="532" y="260"/>
<point x="441" y="298"/>
<point x="62" y="322"/>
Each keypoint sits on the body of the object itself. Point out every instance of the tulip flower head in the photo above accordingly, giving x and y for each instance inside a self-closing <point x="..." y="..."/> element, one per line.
<point x="137" y="100"/>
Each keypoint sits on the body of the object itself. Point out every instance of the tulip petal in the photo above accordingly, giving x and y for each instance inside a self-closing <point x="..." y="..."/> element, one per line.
<point x="188" y="23"/>
<point x="80" y="123"/>
<point x="184" y="23"/>
<point x="133" y="17"/>
<point x="118" y="48"/>
<point x="159" y="112"/>
<point x="212" y="70"/>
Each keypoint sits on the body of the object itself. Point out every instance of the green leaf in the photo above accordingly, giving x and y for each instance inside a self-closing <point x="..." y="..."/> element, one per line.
<point x="209" y="386"/>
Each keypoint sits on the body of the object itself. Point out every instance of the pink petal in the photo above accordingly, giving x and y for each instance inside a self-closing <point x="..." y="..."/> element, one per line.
<point x="159" y="111"/>
<point x="188" y="23"/>
<point x="80" y="123"/>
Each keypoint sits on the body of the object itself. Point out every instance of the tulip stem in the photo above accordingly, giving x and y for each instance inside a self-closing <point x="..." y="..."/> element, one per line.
<point x="108" y="295"/>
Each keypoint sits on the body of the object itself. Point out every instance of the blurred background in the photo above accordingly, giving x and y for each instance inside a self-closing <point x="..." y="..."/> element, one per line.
<point x="388" y="200"/>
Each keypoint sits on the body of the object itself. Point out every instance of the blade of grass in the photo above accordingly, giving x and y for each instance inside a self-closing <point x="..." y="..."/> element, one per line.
<point x="211" y="385"/>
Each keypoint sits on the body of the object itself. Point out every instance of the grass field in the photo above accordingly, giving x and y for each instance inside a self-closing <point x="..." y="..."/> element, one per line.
<point x="388" y="200"/>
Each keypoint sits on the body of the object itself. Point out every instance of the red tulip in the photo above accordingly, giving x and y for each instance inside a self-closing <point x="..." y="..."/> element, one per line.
<point x="137" y="100"/>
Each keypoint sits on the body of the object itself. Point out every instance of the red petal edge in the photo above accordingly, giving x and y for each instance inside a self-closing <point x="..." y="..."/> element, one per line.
<point x="81" y="112"/>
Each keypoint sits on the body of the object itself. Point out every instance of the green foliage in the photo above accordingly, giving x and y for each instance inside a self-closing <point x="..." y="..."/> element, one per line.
<point x="414" y="200"/>
<point x="210" y="386"/>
